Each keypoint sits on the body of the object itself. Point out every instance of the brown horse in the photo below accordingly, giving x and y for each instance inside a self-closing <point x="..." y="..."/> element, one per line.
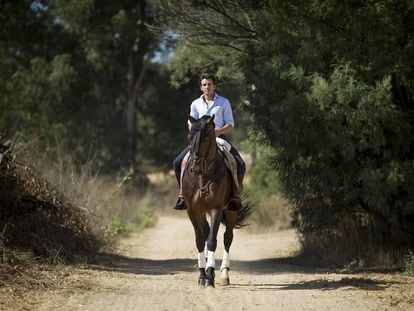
<point x="207" y="187"/>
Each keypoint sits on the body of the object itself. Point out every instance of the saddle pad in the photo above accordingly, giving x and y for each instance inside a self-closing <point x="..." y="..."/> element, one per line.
<point x="229" y="160"/>
<point x="223" y="144"/>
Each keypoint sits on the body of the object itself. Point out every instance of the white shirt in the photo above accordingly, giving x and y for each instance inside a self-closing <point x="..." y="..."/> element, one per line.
<point x="220" y="108"/>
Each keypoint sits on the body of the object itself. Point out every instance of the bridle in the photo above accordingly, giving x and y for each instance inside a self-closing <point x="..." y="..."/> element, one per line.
<point x="201" y="164"/>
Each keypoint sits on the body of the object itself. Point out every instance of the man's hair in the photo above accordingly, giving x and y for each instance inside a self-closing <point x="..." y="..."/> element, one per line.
<point x="208" y="76"/>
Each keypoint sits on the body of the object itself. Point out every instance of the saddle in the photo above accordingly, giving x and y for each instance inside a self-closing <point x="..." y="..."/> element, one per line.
<point x="229" y="160"/>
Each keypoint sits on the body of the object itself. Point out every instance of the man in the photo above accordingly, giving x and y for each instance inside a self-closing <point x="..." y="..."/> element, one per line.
<point x="210" y="103"/>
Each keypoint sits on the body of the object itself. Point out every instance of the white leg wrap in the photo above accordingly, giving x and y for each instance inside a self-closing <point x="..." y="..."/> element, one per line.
<point x="224" y="273"/>
<point x="201" y="260"/>
<point x="211" y="262"/>
<point x="225" y="263"/>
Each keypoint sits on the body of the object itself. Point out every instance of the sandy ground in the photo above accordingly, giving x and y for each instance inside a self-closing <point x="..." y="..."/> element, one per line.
<point x="156" y="270"/>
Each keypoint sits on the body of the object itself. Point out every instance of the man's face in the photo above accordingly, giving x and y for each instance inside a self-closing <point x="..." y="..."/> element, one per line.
<point x="208" y="87"/>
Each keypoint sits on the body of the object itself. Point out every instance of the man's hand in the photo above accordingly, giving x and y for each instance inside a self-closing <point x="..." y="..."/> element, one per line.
<point x="222" y="131"/>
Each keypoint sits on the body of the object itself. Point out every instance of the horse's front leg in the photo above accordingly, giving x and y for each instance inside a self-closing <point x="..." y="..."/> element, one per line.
<point x="201" y="230"/>
<point x="216" y="216"/>
<point x="202" y="255"/>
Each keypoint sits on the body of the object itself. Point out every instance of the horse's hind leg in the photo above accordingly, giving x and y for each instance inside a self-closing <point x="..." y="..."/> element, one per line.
<point x="231" y="219"/>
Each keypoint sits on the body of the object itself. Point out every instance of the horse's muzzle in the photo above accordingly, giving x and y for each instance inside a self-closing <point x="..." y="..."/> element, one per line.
<point x="196" y="168"/>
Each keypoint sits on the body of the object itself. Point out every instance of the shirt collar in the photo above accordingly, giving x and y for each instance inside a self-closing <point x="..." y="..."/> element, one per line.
<point x="214" y="98"/>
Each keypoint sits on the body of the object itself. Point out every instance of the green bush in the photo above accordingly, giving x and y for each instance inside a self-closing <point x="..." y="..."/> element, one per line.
<point x="117" y="227"/>
<point x="146" y="217"/>
<point x="409" y="264"/>
<point x="340" y="116"/>
<point x="271" y="209"/>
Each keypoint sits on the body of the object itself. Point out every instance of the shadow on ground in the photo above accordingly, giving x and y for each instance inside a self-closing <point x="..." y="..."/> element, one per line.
<point x="120" y="263"/>
<point x="322" y="284"/>
<point x="124" y="264"/>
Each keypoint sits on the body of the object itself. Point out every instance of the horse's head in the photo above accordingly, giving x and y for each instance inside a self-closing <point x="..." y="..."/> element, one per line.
<point x="202" y="143"/>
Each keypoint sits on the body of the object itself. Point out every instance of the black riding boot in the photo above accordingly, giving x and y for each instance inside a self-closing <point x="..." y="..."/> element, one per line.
<point x="235" y="202"/>
<point x="180" y="205"/>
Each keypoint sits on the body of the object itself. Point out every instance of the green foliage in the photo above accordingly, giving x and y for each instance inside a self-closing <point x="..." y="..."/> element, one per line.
<point x="83" y="74"/>
<point x="189" y="60"/>
<point x="330" y="87"/>
<point x="354" y="138"/>
<point x="271" y="210"/>
<point x="328" y="84"/>
<point x="117" y="227"/>
<point x="146" y="216"/>
<point x="212" y="44"/>
<point x="409" y="267"/>
<point x="336" y="103"/>
<point x="264" y="181"/>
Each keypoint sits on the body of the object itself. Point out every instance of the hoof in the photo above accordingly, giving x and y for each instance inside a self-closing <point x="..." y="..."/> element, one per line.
<point x="224" y="282"/>
<point x="202" y="282"/>
<point x="209" y="283"/>
<point x="210" y="275"/>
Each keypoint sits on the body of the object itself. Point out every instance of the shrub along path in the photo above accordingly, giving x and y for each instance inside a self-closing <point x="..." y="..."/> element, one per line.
<point x="155" y="270"/>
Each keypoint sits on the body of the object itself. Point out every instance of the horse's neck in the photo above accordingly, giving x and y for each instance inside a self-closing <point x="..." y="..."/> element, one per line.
<point x="213" y="158"/>
<point x="213" y="150"/>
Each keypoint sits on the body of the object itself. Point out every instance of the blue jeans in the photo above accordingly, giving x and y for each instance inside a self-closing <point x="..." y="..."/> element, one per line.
<point x="241" y="166"/>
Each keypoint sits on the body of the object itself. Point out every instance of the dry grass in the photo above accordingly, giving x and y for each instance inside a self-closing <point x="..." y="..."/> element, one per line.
<point x="353" y="246"/>
<point x="104" y="198"/>
<point x="29" y="276"/>
<point x="41" y="229"/>
<point x="55" y="215"/>
<point x="58" y="212"/>
<point x="272" y="213"/>
<point x="36" y="216"/>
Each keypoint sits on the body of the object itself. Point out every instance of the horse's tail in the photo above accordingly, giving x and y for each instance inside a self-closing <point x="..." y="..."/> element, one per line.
<point x="243" y="214"/>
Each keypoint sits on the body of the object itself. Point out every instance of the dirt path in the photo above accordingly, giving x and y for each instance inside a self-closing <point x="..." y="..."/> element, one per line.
<point x="155" y="270"/>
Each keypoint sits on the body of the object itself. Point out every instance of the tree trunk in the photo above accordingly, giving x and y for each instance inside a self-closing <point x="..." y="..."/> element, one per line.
<point x="131" y="114"/>
<point x="138" y="60"/>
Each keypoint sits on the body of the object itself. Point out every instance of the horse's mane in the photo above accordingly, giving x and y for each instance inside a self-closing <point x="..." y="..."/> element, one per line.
<point x="200" y="124"/>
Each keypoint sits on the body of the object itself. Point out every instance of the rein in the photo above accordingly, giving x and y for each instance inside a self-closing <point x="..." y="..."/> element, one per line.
<point x="202" y="164"/>
<point x="207" y="164"/>
<point x="206" y="168"/>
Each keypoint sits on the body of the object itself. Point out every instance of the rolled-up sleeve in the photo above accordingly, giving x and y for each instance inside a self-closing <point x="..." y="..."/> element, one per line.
<point x="228" y="113"/>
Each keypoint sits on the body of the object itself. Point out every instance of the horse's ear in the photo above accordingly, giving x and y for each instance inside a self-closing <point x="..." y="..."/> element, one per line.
<point x="191" y="119"/>
<point x="211" y="119"/>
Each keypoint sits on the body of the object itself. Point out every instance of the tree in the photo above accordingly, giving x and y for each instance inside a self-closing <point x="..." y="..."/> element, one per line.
<point x="216" y="22"/>
<point x="29" y="67"/>
<point x="115" y="39"/>
<point x="338" y="77"/>
<point x="210" y="36"/>
<point x="330" y="86"/>
<point x="84" y="75"/>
